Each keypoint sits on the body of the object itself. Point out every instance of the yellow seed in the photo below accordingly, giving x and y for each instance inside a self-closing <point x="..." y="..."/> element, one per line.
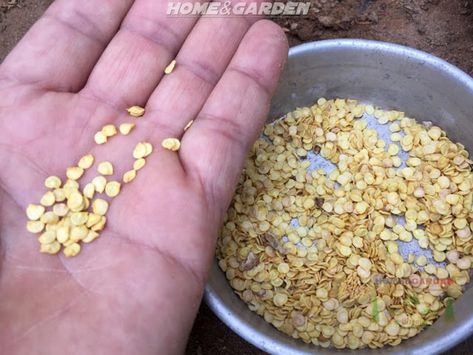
<point x="47" y="237"/>
<point x="149" y="149"/>
<point x="69" y="187"/>
<point x="280" y="299"/>
<point x="361" y="207"/>
<point x="435" y="133"/>
<point x="464" y="263"/>
<point x="460" y="223"/>
<point x="34" y="226"/>
<point x="49" y="218"/>
<point x="405" y="236"/>
<point x="344" y="250"/>
<point x="99" y="183"/>
<point x="62" y="234"/>
<point x="126" y="128"/>
<point x="74" y="172"/>
<point x="100" y="206"/>
<point x="365" y="263"/>
<point x="394" y="127"/>
<point x="358" y="242"/>
<point x="309" y="203"/>
<point x="67" y="243"/>
<point x="393" y="198"/>
<point x="464" y="186"/>
<point x="105" y="168"/>
<point x="452" y="199"/>
<point x="72" y="250"/>
<point x="139" y="164"/>
<point x="393" y="149"/>
<point x="423" y="243"/>
<point x="89" y="190"/>
<point x="462" y="278"/>
<point x="170" y="67"/>
<point x="60" y="209"/>
<point x="59" y="195"/>
<point x="34" y="212"/>
<point x="421" y="260"/>
<point x="172" y="144"/>
<point x="52" y="182"/>
<point x="112" y="188"/>
<point x="109" y="130"/>
<point x="91" y="236"/>
<point x="75" y="201"/>
<point x="100" y="138"/>
<point x="430" y="269"/>
<point x="443" y="182"/>
<point x="86" y="161"/>
<point x="397" y="259"/>
<point x="396" y="161"/>
<point x="364" y="274"/>
<point x="99" y="225"/>
<point x="419" y="192"/>
<point x="452" y="256"/>
<point x="52" y="248"/>
<point x="78" y="233"/>
<point x="188" y="125"/>
<point x="129" y="176"/>
<point x="93" y="219"/>
<point x="79" y="218"/>
<point x="392" y="329"/>
<point x="136" y="111"/>
<point x="327" y="206"/>
<point x="283" y="268"/>
<point x="48" y="199"/>
<point x="139" y="151"/>
<point x="71" y="184"/>
<point x="442" y="273"/>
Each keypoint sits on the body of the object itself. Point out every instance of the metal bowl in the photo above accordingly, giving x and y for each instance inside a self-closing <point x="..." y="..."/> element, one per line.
<point x="390" y="76"/>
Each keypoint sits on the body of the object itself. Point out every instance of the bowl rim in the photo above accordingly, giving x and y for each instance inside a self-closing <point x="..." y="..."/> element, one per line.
<point x="266" y="343"/>
<point x="414" y="53"/>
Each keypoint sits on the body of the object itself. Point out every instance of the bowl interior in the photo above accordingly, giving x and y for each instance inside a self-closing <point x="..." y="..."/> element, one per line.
<point x="389" y="76"/>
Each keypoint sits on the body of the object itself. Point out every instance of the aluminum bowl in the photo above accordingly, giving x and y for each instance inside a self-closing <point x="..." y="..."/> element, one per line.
<point x="390" y="76"/>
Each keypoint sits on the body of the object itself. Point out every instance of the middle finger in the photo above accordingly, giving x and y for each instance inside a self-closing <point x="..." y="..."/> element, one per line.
<point x="201" y="62"/>
<point x="132" y="64"/>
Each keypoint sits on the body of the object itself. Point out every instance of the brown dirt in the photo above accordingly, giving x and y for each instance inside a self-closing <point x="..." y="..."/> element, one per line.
<point x="16" y="17"/>
<point x="441" y="27"/>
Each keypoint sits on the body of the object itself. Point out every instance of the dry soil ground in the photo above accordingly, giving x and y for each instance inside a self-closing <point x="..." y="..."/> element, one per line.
<point x="441" y="27"/>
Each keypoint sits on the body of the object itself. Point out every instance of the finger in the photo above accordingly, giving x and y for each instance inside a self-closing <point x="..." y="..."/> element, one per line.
<point x="180" y="96"/>
<point x="214" y="148"/>
<point x="133" y="63"/>
<point x="61" y="49"/>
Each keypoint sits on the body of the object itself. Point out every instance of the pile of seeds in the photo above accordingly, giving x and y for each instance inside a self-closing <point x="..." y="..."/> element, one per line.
<point x="364" y="255"/>
<point x="67" y="215"/>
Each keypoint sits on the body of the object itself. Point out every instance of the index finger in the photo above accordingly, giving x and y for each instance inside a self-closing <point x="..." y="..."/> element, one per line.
<point x="61" y="49"/>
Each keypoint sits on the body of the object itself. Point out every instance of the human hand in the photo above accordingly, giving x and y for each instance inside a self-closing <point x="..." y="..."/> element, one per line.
<point x="138" y="287"/>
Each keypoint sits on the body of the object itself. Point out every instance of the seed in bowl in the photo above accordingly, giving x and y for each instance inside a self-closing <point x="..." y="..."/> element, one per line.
<point x="350" y="226"/>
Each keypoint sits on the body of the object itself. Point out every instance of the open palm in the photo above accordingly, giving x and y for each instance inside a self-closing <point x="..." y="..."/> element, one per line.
<point x="137" y="288"/>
